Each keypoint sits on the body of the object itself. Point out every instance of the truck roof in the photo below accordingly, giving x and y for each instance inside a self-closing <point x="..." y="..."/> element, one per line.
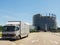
<point x="13" y="22"/>
<point x="16" y="22"/>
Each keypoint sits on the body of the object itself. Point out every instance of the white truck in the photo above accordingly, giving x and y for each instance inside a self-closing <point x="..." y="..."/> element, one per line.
<point x="15" y="30"/>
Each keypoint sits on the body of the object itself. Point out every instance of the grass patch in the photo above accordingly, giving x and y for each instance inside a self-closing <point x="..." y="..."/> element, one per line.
<point x="33" y="31"/>
<point x="0" y="34"/>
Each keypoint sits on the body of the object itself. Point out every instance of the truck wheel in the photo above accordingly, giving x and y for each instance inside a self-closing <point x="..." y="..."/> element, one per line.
<point x="18" y="37"/>
<point x="27" y="35"/>
<point x="45" y="30"/>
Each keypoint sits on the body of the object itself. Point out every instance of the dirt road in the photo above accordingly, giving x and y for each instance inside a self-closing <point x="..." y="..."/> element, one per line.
<point x="39" y="38"/>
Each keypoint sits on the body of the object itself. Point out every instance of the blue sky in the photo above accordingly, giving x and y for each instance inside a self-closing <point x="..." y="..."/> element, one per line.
<point x="25" y="9"/>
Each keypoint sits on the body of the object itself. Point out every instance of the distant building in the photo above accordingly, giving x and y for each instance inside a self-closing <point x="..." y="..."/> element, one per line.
<point x="47" y="23"/>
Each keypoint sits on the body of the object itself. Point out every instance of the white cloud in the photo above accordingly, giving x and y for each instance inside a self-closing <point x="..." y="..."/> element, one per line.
<point x="6" y="16"/>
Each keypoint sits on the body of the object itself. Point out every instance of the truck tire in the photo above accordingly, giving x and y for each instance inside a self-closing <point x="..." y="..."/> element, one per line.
<point x="45" y="30"/>
<point x="27" y="35"/>
<point x="18" y="37"/>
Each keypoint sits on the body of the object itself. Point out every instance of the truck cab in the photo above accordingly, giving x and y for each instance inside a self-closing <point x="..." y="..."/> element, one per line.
<point x="14" y="30"/>
<point x="11" y="31"/>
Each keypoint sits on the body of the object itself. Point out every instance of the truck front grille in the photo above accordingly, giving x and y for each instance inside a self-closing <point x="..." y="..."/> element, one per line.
<point x="7" y="35"/>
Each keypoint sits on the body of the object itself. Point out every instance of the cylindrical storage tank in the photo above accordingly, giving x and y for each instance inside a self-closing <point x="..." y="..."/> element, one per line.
<point x="44" y="22"/>
<point x="36" y="19"/>
<point x="53" y="23"/>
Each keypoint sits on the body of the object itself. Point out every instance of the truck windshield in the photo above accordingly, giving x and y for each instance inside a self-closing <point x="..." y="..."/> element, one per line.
<point x="9" y="28"/>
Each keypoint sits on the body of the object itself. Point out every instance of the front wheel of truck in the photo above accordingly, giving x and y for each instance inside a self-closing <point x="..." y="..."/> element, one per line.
<point x="18" y="37"/>
<point x="27" y="35"/>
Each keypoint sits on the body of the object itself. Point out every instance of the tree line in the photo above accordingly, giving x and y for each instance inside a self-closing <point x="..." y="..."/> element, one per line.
<point x="1" y="28"/>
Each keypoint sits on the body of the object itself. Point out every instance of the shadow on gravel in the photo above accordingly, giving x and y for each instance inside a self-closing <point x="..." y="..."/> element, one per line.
<point x="7" y="39"/>
<point x="18" y="39"/>
<point x="11" y="39"/>
<point x="3" y="39"/>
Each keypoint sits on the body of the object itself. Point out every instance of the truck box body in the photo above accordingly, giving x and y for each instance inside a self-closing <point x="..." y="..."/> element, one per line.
<point x="15" y="30"/>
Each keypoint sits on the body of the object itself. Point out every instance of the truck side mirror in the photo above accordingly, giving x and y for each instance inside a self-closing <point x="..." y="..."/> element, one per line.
<point x="16" y="28"/>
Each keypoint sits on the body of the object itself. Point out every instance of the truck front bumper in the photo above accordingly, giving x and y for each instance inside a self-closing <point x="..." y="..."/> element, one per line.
<point x="8" y="37"/>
